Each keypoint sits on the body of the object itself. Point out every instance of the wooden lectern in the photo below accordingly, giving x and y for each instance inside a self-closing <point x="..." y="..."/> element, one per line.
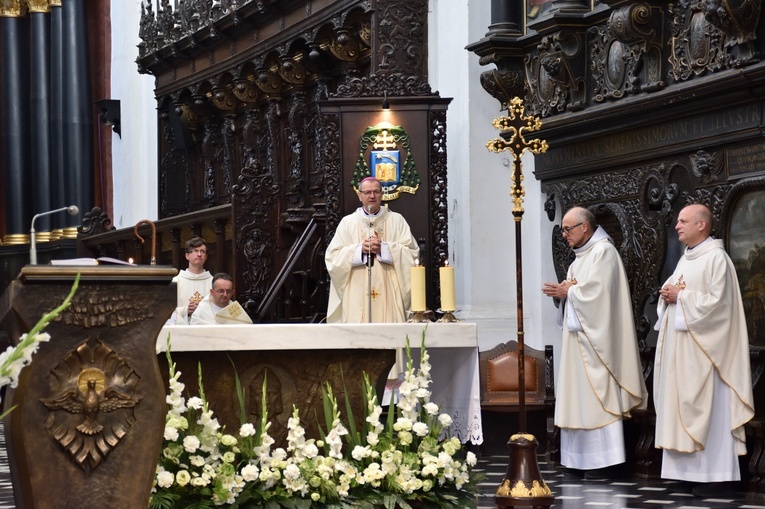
<point x="90" y="409"/>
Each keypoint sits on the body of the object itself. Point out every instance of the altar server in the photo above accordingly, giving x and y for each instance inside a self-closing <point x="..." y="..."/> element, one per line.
<point x="217" y="307"/>
<point x="192" y="283"/>
<point x="600" y="379"/>
<point x="375" y="232"/>
<point x="702" y="380"/>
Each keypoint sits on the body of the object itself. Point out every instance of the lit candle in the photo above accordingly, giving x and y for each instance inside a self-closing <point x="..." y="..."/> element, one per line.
<point x="447" y="287"/>
<point x="417" y="273"/>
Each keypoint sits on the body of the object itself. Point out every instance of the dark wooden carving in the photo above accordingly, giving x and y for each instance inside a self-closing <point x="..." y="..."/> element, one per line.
<point x="241" y="123"/>
<point x="439" y="206"/>
<point x="555" y="75"/>
<point x="711" y="36"/>
<point x="625" y="53"/>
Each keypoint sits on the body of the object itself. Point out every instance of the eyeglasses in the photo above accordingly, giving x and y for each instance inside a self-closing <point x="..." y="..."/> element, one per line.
<point x="224" y="292"/>
<point x="370" y="193"/>
<point x="198" y="251"/>
<point x="567" y="229"/>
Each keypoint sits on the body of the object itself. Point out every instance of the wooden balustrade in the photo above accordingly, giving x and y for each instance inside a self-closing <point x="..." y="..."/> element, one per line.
<point x="213" y="224"/>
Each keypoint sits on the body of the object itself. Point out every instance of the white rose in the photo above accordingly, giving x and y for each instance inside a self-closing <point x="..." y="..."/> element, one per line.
<point x="165" y="479"/>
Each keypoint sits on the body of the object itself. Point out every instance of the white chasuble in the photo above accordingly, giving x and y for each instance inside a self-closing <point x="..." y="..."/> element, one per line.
<point x="390" y="274"/>
<point x="703" y="338"/>
<point x="600" y="376"/>
<point x="190" y="287"/>
<point x="207" y="313"/>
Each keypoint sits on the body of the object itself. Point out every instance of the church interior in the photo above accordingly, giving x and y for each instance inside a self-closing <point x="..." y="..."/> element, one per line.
<point x="251" y="123"/>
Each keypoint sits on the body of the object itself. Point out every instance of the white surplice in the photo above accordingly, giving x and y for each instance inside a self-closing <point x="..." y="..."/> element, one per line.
<point x="190" y="286"/>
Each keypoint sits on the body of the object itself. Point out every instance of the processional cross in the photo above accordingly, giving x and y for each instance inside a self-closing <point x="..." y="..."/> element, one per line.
<point x="523" y="484"/>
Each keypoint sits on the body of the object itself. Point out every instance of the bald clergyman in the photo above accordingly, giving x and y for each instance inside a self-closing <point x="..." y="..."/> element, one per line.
<point x="702" y="380"/>
<point x="600" y="378"/>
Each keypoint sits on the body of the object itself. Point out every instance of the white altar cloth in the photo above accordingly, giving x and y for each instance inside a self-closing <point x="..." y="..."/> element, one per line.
<point x="453" y="350"/>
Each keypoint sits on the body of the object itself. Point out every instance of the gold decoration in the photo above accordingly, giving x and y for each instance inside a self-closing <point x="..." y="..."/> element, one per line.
<point x="520" y="489"/>
<point x="514" y="127"/>
<point x="12" y="8"/>
<point x="38" y="6"/>
<point x="69" y="233"/>
<point x="525" y="436"/>
<point x="16" y="239"/>
<point x="680" y="282"/>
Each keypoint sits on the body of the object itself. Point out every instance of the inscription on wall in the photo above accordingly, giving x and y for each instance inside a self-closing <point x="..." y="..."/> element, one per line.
<point x="693" y="129"/>
<point x="745" y="160"/>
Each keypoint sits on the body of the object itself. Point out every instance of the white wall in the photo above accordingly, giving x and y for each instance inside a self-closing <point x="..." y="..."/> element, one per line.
<point x="481" y="225"/>
<point x="134" y="155"/>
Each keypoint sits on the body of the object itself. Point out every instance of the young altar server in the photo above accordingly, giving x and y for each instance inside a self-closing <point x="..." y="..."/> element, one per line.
<point x="192" y="283"/>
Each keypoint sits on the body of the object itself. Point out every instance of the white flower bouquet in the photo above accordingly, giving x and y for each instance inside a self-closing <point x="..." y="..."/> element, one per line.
<point x="407" y="461"/>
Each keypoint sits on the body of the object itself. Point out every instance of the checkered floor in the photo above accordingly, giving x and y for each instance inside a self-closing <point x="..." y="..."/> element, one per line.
<point x="573" y="492"/>
<point x="570" y="492"/>
<point x="6" y="490"/>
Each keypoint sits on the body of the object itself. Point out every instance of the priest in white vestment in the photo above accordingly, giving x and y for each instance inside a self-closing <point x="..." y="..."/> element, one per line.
<point x="218" y="308"/>
<point x="702" y="377"/>
<point x="600" y="378"/>
<point x="371" y="240"/>
<point x="193" y="284"/>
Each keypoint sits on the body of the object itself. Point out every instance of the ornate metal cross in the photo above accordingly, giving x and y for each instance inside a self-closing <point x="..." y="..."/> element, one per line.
<point x="523" y="484"/>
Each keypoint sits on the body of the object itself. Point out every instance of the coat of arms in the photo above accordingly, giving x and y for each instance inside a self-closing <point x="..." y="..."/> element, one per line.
<point x="390" y="160"/>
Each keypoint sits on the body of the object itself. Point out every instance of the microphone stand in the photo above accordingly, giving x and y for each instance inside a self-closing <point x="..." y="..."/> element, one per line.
<point x="72" y="210"/>
<point x="370" y="262"/>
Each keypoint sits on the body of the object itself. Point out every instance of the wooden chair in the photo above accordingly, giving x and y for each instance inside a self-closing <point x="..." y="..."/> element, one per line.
<point x="499" y="387"/>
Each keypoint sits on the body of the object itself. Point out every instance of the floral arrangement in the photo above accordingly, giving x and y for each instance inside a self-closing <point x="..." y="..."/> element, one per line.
<point x="407" y="461"/>
<point x="15" y="358"/>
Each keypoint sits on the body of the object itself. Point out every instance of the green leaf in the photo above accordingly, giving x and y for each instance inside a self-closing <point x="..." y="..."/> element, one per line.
<point x="239" y="394"/>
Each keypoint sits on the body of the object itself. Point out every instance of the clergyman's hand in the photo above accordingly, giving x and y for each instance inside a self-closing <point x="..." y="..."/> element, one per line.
<point x="669" y="293"/>
<point x="557" y="290"/>
<point x="373" y="244"/>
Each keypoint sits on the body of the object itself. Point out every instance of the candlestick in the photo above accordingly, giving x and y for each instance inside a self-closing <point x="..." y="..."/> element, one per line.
<point x="417" y="273"/>
<point x="447" y="287"/>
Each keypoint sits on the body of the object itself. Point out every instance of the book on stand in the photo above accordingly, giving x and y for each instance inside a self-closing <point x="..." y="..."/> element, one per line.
<point x="102" y="260"/>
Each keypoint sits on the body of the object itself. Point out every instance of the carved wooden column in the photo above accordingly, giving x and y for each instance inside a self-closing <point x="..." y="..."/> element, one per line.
<point x="90" y="408"/>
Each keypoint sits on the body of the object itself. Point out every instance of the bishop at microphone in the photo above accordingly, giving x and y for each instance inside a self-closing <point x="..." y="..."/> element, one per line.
<point x="359" y="286"/>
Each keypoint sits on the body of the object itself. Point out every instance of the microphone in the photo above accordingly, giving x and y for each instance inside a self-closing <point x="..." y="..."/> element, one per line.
<point x="370" y="254"/>
<point x="72" y="210"/>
